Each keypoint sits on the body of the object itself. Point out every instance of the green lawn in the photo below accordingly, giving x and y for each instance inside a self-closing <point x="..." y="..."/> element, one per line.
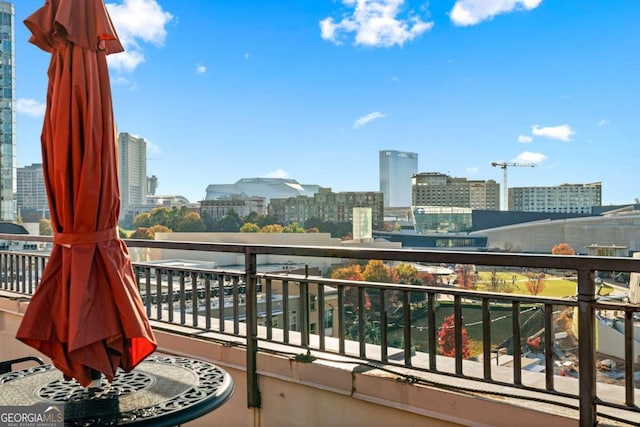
<point x="555" y="286"/>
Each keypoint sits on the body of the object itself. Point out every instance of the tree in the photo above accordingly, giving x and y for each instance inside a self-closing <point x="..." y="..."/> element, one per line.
<point x="465" y="276"/>
<point x="259" y="220"/>
<point x="426" y="279"/>
<point x="404" y="273"/>
<point x="336" y="229"/>
<point x="142" y="233"/>
<point x="562" y="249"/>
<point x="142" y="220"/>
<point x="191" y="222"/>
<point x="228" y="223"/>
<point x="377" y="271"/>
<point x="535" y="283"/>
<point x="159" y="216"/>
<point x="447" y="338"/>
<point x="249" y="227"/>
<point x="122" y="233"/>
<point x="159" y="229"/>
<point x="294" y="227"/>
<point x="45" y="227"/>
<point x="272" y="228"/>
<point x="312" y="230"/>
<point x="349" y="272"/>
<point x="207" y="219"/>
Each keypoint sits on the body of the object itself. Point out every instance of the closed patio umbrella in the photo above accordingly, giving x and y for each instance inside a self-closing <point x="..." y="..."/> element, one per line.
<point x="86" y="313"/>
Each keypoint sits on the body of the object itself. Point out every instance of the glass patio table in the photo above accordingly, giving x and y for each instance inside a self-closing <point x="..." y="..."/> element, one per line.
<point x="160" y="391"/>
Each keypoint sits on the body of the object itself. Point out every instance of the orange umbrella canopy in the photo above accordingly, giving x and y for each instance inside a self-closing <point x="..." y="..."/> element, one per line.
<point x="86" y="313"/>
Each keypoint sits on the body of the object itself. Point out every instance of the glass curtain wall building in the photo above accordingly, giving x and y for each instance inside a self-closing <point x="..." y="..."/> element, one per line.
<point x="8" y="208"/>
<point x="396" y="170"/>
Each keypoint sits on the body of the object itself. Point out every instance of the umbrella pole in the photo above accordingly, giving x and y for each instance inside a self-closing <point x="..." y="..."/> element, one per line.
<point x="96" y="379"/>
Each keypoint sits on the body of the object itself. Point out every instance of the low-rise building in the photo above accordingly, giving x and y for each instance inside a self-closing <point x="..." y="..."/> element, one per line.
<point x="566" y="198"/>
<point x="328" y="206"/>
<point x="437" y="189"/>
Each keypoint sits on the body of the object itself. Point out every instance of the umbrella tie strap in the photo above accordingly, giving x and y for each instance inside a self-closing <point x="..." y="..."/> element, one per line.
<point x="69" y="239"/>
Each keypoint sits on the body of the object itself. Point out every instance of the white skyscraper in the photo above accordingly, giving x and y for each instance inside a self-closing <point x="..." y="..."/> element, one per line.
<point x="132" y="152"/>
<point x="396" y="170"/>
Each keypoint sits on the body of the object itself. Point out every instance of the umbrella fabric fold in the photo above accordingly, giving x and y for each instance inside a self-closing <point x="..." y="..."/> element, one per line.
<point x="86" y="313"/>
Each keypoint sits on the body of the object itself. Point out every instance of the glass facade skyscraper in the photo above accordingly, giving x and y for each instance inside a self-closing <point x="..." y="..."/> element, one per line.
<point x="8" y="208"/>
<point x="396" y="170"/>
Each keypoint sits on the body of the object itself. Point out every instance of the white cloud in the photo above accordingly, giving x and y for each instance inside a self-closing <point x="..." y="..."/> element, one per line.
<point x="603" y="122"/>
<point x="375" y="23"/>
<point x="472" y="170"/>
<point x="525" y="139"/>
<point x="472" y="12"/>
<point x="136" y="21"/>
<point x="529" y="157"/>
<point x="562" y="132"/>
<point x="246" y="56"/>
<point x="30" y="107"/>
<point x="368" y="118"/>
<point x="278" y="173"/>
<point x="201" y="69"/>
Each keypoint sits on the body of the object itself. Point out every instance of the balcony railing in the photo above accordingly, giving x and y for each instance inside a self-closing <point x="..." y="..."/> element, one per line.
<point x="383" y="324"/>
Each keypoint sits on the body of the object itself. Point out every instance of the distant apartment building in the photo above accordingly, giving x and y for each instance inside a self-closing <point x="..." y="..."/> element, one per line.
<point x="152" y="185"/>
<point x="328" y="206"/>
<point x="396" y="170"/>
<point x="8" y="166"/>
<point x="243" y="206"/>
<point x="132" y="152"/>
<point x="565" y="198"/>
<point x="31" y="193"/>
<point x="437" y="189"/>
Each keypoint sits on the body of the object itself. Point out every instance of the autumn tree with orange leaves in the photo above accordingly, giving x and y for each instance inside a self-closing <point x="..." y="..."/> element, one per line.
<point x="447" y="338"/>
<point x="535" y="283"/>
<point x="562" y="249"/>
<point x="349" y="272"/>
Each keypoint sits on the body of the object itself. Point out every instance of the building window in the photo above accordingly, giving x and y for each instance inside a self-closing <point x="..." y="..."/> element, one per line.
<point x="312" y="302"/>
<point x="328" y="318"/>
<point x="293" y="321"/>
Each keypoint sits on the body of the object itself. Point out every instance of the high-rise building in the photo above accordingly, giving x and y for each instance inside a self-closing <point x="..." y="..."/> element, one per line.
<point x="8" y="207"/>
<point x="132" y="152"/>
<point x="396" y="170"/>
<point x="31" y="193"/>
<point x="565" y="198"/>
<point x="437" y="189"/>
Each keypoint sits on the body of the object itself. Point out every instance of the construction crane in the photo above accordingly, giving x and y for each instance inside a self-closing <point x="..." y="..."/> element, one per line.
<point x="504" y="166"/>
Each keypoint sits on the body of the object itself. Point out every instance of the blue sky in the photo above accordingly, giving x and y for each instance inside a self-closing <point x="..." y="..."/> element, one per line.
<point x="312" y="90"/>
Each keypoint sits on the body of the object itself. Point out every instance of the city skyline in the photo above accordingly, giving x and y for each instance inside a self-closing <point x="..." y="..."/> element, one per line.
<point x="312" y="91"/>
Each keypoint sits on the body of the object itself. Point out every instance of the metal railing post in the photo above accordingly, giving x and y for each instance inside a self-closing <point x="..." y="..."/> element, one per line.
<point x="253" y="391"/>
<point x="587" y="347"/>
